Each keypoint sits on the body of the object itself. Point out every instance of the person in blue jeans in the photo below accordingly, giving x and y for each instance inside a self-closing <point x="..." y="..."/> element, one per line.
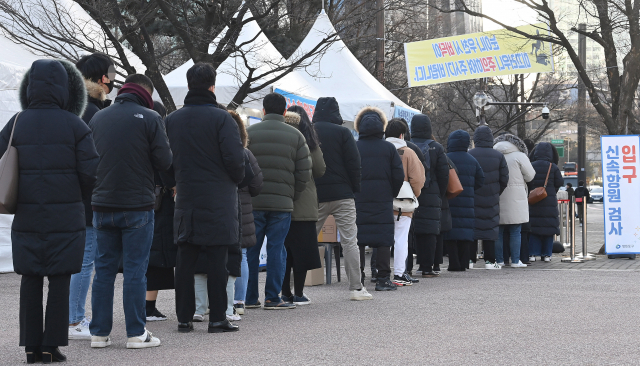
<point x="99" y="72"/>
<point x="283" y="156"/>
<point x="132" y="142"/>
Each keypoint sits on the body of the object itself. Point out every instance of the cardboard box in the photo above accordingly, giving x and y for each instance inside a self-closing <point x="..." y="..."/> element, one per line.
<point x="315" y="277"/>
<point x="329" y="233"/>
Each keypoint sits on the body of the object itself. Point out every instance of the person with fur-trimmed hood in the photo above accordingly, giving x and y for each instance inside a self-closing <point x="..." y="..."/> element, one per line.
<point x="58" y="162"/>
<point x="514" y="204"/>
<point x="99" y="72"/>
<point x="382" y="178"/>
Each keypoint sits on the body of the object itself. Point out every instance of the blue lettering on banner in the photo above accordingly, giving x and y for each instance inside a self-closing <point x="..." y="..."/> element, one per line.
<point x="463" y="67"/>
<point x="456" y="45"/>
<point x="436" y="50"/>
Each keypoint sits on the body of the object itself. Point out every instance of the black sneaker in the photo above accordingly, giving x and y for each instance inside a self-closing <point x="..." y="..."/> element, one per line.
<point x="268" y="305"/>
<point x="239" y="308"/>
<point x="384" y="284"/>
<point x="257" y="305"/>
<point x="156" y="316"/>
<point x="287" y="299"/>
<point x="407" y="276"/>
<point x="430" y="274"/>
<point x="401" y="281"/>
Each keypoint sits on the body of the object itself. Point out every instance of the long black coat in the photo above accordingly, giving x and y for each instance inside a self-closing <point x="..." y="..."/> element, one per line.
<point x="382" y="178"/>
<point x="496" y="179"/>
<point x="252" y="190"/>
<point x="543" y="215"/>
<point x="163" y="250"/>
<point x="208" y="164"/>
<point x="446" y="223"/>
<point x="58" y="162"/>
<point x="342" y="176"/>
<point x="471" y="177"/>
<point x="426" y="219"/>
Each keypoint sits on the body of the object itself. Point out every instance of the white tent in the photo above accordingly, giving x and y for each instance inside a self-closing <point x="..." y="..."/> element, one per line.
<point x="339" y="74"/>
<point x="260" y="54"/>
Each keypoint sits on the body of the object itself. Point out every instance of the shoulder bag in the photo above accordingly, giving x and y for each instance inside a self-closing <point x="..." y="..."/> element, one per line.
<point x="539" y="193"/>
<point x="9" y="176"/>
<point x="454" y="188"/>
<point x="406" y="201"/>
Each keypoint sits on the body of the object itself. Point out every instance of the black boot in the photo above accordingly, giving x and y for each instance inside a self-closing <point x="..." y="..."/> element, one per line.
<point x="33" y="354"/>
<point x="52" y="354"/>
<point x="385" y="284"/>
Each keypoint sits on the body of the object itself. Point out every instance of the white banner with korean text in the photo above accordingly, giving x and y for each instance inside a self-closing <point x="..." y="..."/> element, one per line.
<point x="620" y="169"/>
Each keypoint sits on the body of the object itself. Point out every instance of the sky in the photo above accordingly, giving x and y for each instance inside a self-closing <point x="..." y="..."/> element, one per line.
<point x="506" y="11"/>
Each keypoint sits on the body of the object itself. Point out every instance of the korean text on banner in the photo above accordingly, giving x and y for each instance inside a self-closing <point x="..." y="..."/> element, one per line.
<point x="621" y="193"/>
<point x="309" y="105"/>
<point x="406" y="113"/>
<point x="477" y="55"/>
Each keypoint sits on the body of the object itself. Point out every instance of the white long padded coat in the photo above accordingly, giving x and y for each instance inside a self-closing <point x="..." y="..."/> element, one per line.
<point x="514" y="204"/>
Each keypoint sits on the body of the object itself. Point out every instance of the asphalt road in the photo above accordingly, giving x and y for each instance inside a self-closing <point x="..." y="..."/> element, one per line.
<point x="536" y="317"/>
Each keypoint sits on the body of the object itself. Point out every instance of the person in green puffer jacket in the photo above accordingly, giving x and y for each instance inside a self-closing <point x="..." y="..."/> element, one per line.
<point x="283" y="156"/>
<point x="301" y="242"/>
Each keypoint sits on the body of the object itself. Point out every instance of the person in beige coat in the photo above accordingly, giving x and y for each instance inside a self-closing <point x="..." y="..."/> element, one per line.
<point x="414" y="174"/>
<point x="514" y="203"/>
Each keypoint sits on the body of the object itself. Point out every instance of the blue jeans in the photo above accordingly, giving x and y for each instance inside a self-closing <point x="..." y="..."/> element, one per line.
<point x="79" y="286"/>
<point x="275" y="226"/>
<point x="241" y="282"/>
<point x="127" y="235"/>
<point x="514" y="242"/>
<point x="540" y="245"/>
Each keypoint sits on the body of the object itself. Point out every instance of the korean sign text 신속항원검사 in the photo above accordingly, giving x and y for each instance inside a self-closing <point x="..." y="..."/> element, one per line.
<point x="621" y="193"/>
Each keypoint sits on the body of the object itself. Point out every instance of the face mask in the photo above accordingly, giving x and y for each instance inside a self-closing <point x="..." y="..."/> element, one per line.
<point x="109" y="85"/>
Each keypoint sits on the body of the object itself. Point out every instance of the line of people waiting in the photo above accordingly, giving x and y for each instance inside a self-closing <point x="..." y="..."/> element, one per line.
<point x="126" y="188"/>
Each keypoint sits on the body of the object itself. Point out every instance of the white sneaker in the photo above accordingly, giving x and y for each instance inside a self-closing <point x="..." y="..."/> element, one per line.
<point x="146" y="340"/>
<point x="362" y="294"/>
<point x="547" y="259"/>
<point x="100" y="342"/>
<point x="470" y="264"/>
<point x="532" y="259"/>
<point x="234" y="318"/>
<point x="198" y="318"/>
<point x="489" y="265"/>
<point x="80" y="331"/>
<point x="518" y="265"/>
<point x="501" y="264"/>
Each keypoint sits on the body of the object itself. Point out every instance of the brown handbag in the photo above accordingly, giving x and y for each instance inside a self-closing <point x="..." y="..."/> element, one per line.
<point x="539" y="193"/>
<point x="9" y="176"/>
<point x="454" y="187"/>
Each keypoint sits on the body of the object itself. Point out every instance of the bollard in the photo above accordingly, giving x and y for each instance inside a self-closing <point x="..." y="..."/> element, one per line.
<point x="572" y="233"/>
<point x="563" y="226"/>
<point x="585" y="256"/>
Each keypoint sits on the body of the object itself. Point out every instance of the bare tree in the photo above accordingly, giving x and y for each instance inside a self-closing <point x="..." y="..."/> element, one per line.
<point x="612" y="24"/>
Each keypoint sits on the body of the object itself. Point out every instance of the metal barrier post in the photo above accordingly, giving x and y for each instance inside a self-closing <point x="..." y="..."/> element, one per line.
<point x="585" y="254"/>
<point x="572" y="259"/>
<point x="563" y="227"/>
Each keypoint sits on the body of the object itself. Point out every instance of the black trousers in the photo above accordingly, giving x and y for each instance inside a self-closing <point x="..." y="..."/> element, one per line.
<point x="217" y="276"/>
<point x="524" y="246"/>
<point x="489" y="250"/>
<point x="458" y="254"/>
<point x="427" y="244"/>
<point x="382" y="262"/>
<point x="473" y="251"/>
<point x="412" y="249"/>
<point x="439" y="259"/>
<point x="56" y="321"/>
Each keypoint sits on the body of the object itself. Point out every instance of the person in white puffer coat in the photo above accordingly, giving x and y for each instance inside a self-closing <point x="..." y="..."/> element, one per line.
<point x="514" y="203"/>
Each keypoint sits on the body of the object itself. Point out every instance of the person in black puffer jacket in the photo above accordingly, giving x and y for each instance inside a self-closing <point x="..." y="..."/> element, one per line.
<point x="209" y="164"/>
<point x="487" y="198"/>
<point x="336" y="188"/>
<point x="162" y="257"/>
<point x="460" y="239"/>
<point x="382" y="178"/>
<point x="57" y="167"/>
<point x="132" y="142"/>
<point x="543" y="215"/>
<point x="428" y="215"/>
<point x="248" y="227"/>
<point x="98" y="72"/>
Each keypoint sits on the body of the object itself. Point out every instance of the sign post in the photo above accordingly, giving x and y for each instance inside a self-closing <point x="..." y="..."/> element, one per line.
<point x="621" y="199"/>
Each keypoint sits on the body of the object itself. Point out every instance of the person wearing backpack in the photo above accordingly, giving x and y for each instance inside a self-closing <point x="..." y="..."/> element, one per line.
<point x="407" y="202"/>
<point x="427" y="219"/>
<point x="581" y="192"/>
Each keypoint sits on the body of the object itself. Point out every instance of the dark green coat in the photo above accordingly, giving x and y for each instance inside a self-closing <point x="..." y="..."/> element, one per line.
<point x="283" y="156"/>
